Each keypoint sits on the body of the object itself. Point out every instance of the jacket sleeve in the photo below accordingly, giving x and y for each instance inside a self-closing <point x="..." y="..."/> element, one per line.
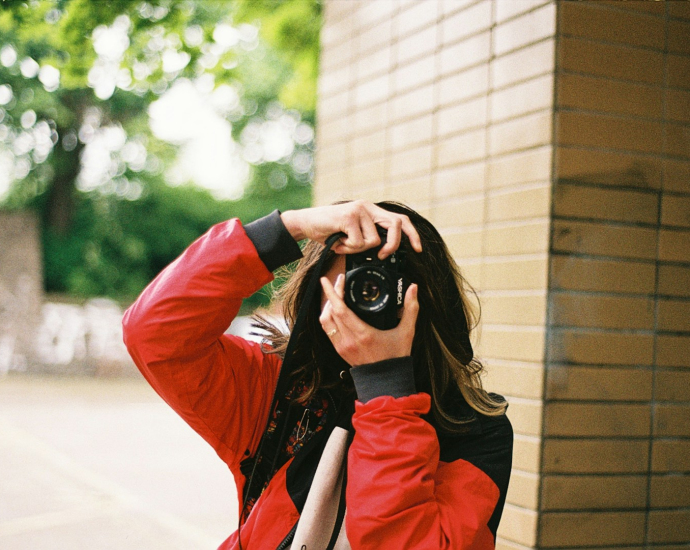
<point x="398" y="489"/>
<point x="221" y="385"/>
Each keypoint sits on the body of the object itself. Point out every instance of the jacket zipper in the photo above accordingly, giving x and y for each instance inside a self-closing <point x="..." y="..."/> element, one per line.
<point x="288" y="539"/>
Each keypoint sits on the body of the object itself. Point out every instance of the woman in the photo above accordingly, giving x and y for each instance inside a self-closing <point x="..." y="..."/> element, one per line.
<point x="429" y="462"/>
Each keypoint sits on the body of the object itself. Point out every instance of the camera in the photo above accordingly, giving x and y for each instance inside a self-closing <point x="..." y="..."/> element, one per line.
<point x="375" y="289"/>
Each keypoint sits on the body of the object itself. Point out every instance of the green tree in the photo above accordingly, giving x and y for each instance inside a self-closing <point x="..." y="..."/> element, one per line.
<point x="76" y="71"/>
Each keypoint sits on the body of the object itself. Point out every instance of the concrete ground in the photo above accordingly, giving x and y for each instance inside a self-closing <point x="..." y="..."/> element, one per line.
<point x="105" y="465"/>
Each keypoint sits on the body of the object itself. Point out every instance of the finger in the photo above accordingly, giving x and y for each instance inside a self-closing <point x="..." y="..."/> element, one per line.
<point x="392" y="239"/>
<point x="369" y="232"/>
<point x="411" y="233"/>
<point x="354" y="241"/>
<point x="338" y="307"/>
<point x="340" y="286"/>
<point x="410" y="309"/>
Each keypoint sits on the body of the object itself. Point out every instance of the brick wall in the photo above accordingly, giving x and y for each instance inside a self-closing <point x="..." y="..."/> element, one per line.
<point x="617" y="398"/>
<point x="548" y="143"/>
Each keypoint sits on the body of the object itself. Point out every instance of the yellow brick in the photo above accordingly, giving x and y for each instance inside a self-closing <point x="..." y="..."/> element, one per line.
<point x="679" y="9"/>
<point x="675" y="211"/>
<point x="333" y="107"/>
<point x="369" y="119"/>
<point x="468" y="22"/>
<point x="466" y="244"/>
<point x="678" y="32"/>
<point x="678" y="71"/>
<point x="525" y="238"/>
<point x="413" y="75"/>
<point x="417" y="45"/>
<point x="458" y="181"/>
<point x="671" y="455"/>
<point x="607" y="167"/>
<point x="572" y="273"/>
<point x="522" y="167"/>
<point x="509" y="10"/>
<point x="531" y="202"/>
<point x="514" y="275"/>
<point x="677" y="140"/>
<point x="611" y="61"/>
<point x="510" y="309"/>
<point x="588" y="20"/>
<point x="369" y="145"/>
<point x="378" y="36"/>
<point x="600" y="348"/>
<point x="653" y="8"/>
<point x="524" y="64"/>
<point x="519" y="345"/>
<point x="670" y="490"/>
<point x="526" y="452"/>
<point x="374" y="64"/>
<point x="458" y="213"/>
<point x="463" y="148"/>
<point x="598" y="384"/>
<point x="674" y="245"/>
<point x="467" y="53"/>
<point x="520" y="133"/>
<point x="525" y="415"/>
<point x="416" y="15"/>
<point x="411" y="132"/>
<point x="674" y="280"/>
<point x="672" y="351"/>
<point x="464" y="116"/>
<point x="534" y="95"/>
<point x="595" y="456"/>
<point x="595" y="420"/>
<point x="610" y="96"/>
<point x="516" y="379"/>
<point x="458" y="87"/>
<point x="676" y="175"/>
<point x="523" y="490"/>
<point x="672" y="420"/>
<point x="592" y="311"/>
<point x="374" y="14"/>
<point x="591" y="528"/>
<point x="372" y="91"/>
<point x="519" y="525"/>
<point x="592" y="492"/>
<point x="369" y="172"/>
<point x="673" y="385"/>
<point x="674" y="316"/>
<point x="527" y="29"/>
<point x="608" y="132"/>
<point x="678" y="105"/>
<point x="604" y="240"/>
<point x="575" y="201"/>
<point x="414" y="103"/>
<point x="416" y="190"/>
<point x="669" y="526"/>
<point x="411" y="162"/>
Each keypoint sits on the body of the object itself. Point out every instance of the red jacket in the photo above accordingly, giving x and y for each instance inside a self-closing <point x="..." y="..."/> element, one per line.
<point x="407" y="487"/>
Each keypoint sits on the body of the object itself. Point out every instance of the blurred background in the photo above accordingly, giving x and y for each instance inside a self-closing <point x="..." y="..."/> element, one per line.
<point x="549" y="141"/>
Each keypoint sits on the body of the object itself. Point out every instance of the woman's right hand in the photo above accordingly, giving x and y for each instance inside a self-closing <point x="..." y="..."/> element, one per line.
<point x="358" y="220"/>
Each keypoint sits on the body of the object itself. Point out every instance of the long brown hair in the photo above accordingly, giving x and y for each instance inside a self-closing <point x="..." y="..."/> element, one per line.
<point x="444" y="362"/>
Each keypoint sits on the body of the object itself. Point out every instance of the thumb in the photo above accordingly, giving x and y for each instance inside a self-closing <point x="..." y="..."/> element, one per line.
<point x="411" y="308"/>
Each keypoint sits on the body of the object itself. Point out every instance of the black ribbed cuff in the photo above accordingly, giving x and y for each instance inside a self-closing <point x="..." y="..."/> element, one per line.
<point x="273" y="241"/>
<point x="394" y="377"/>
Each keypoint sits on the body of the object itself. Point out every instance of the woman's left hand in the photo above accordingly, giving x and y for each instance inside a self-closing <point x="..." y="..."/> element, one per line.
<point x="359" y="343"/>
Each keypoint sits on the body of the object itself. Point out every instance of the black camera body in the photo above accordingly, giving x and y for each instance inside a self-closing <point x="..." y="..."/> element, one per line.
<point x="375" y="289"/>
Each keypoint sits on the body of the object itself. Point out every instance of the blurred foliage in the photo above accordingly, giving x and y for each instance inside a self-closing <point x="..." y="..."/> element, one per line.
<point x="58" y="89"/>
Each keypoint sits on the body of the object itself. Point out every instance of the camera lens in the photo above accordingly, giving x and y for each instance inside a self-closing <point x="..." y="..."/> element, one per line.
<point x="370" y="291"/>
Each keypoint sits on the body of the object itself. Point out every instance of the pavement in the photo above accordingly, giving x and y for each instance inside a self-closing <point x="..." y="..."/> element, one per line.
<point x="104" y="464"/>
